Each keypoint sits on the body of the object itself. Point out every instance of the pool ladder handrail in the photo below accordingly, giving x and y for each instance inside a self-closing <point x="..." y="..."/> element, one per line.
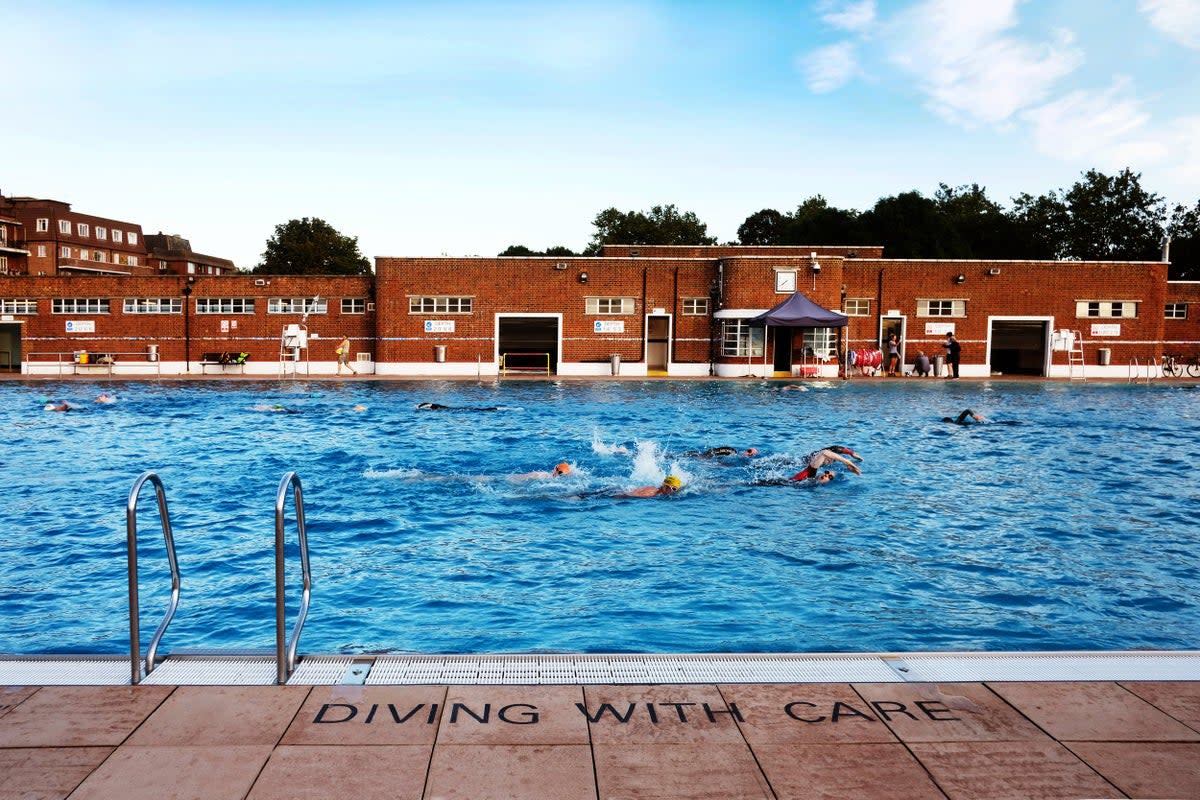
<point x="285" y="649"/>
<point x="135" y="662"/>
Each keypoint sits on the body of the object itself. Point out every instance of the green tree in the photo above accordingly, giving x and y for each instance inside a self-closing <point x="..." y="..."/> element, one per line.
<point x="762" y="228"/>
<point x="982" y="228"/>
<point x="1041" y="224"/>
<point x="910" y="225"/>
<point x="311" y="247"/>
<point x="1184" y="230"/>
<point x="816" y="222"/>
<point x="662" y="225"/>
<point x="1113" y="218"/>
<point x="517" y="250"/>
<point x="522" y="250"/>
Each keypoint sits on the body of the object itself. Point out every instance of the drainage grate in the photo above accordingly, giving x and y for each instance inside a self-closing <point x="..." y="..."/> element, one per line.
<point x="1183" y="666"/>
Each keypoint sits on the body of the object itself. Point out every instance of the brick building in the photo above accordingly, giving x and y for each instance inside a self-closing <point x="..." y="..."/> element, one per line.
<point x="60" y="240"/>
<point x="660" y="310"/>
<point x="171" y="253"/>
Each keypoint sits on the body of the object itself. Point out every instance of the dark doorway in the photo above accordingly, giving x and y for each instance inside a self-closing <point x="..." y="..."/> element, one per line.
<point x="529" y="344"/>
<point x="10" y="346"/>
<point x="783" y="350"/>
<point x="1018" y="347"/>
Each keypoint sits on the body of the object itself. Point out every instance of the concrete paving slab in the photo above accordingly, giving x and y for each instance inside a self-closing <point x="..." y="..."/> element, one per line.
<point x="221" y="715"/>
<point x="1145" y="769"/>
<point x="46" y="773"/>
<point x="947" y="712"/>
<point x="1093" y="712"/>
<point x="161" y="773"/>
<point x="79" y="716"/>
<point x="773" y="714"/>
<point x="1180" y="700"/>
<point x="505" y="772"/>
<point x="1021" y="770"/>
<point x="352" y="715"/>
<point x="666" y="714"/>
<point x="702" y="771"/>
<point x="842" y="770"/>
<point x="513" y="715"/>
<point x="308" y="772"/>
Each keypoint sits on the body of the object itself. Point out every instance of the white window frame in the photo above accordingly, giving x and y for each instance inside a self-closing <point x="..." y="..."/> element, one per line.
<point x="85" y="254"/>
<point x="297" y="305"/>
<point x="739" y="340"/>
<point x="64" y="227"/>
<point x="99" y="255"/>
<point x="117" y="236"/>
<point x="695" y="306"/>
<point x="822" y="341"/>
<point x="64" y="251"/>
<point x="131" y="261"/>
<point x="1176" y="311"/>
<point x="440" y="304"/>
<point x="857" y="307"/>
<point x="18" y="305"/>
<point x="101" y="232"/>
<point x="79" y="305"/>
<point x="354" y="305"/>
<point x="224" y="305"/>
<point x="42" y="225"/>
<point x="41" y="251"/>
<point x="785" y="281"/>
<point x="1106" y="309"/>
<point x="941" y="307"/>
<point x="609" y="306"/>
<point x="153" y="305"/>
<point x="132" y="238"/>
<point x="82" y="229"/>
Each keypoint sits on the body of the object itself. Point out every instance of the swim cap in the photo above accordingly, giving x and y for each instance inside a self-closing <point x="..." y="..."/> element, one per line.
<point x="753" y="451"/>
<point x="562" y="469"/>
<point x="672" y="481"/>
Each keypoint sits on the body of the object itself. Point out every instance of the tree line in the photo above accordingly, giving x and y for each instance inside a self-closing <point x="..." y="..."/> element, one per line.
<point x="1099" y="218"/>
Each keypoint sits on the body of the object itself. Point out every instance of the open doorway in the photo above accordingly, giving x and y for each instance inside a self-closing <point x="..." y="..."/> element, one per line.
<point x="528" y="343"/>
<point x="887" y="327"/>
<point x="783" y="349"/>
<point x="1018" y="346"/>
<point x="10" y="347"/>
<point x="658" y="343"/>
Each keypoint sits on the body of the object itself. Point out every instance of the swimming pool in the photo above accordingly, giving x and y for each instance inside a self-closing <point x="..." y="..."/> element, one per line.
<point x="1073" y="529"/>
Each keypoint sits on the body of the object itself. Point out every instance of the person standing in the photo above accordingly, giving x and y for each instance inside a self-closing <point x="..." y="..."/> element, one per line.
<point x="893" y="355"/>
<point x="953" y="354"/>
<point x="343" y="356"/>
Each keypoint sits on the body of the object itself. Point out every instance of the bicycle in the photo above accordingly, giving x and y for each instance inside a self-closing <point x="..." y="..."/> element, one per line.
<point x="1175" y="366"/>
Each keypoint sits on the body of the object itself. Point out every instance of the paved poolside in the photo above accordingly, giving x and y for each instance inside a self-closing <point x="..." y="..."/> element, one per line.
<point x="1018" y="739"/>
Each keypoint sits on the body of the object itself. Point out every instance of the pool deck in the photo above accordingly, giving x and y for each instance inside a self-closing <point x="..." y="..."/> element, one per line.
<point x="897" y="738"/>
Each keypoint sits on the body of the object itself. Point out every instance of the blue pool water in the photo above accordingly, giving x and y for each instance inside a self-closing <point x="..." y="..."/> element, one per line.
<point x="1075" y="528"/>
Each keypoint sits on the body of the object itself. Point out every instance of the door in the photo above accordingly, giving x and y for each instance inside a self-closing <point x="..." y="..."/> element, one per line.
<point x="888" y="326"/>
<point x="783" y="350"/>
<point x="658" y="343"/>
<point x="10" y="346"/>
<point x="1018" y="347"/>
<point x="528" y="343"/>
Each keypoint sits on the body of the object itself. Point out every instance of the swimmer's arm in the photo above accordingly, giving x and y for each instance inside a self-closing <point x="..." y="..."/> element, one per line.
<point x="836" y="457"/>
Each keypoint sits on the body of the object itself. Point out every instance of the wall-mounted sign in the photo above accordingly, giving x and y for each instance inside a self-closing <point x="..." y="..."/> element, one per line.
<point x="938" y="328"/>
<point x="81" y="326"/>
<point x="609" y="326"/>
<point x="1106" y="329"/>
<point x="439" y="326"/>
<point x="224" y="326"/>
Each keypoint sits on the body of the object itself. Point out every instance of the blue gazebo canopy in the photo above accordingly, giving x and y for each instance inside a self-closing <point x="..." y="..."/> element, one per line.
<point x="800" y="312"/>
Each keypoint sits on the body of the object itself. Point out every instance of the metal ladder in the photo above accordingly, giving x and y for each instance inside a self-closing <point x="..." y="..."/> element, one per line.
<point x="285" y="647"/>
<point x="1075" y="357"/>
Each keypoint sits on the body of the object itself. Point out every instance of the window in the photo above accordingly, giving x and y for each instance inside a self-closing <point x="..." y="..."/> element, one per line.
<point x="822" y="342"/>
<point x="354" y="305"/>
<point x="101" y="233"/>
<point x="85" y="254"/>
<point x="857" y="307"/>
<point x="41" y="251"/>
<point x="116" y="236"/>
<point x="608" y="305"/>
<point x="695" y="306"/>
<point x="4" y="265"/>
<point x="191" y="268"/>
<point x="153" y="305"/>
<point x="131" y="261"/>
<point x="64" y="251"/>
<point x="440" y="305"/>
<point x="785" y="281"/>
<point x="100" y="255"/>
<point x="18" y="305"/>
<point x="224" y="305"/>
<point x="79" y="305"/>
<point x="297" y="305"/>
<point x="64" y="226"/>
<point x="81" y="228"/>
<point x="941" y="308"/>
<point x="43" y="224"/>
<point x="132" y="237"/>
<point x="1176" y="310"/>
<point x="739" y="339"/>
<point x="1107" y="309"/>
<point x="162" y="265"/>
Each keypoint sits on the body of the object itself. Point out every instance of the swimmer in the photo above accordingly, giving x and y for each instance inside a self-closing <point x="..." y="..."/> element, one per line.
<point x="440" y="407"/>
<point x="359" y="407"/>
<point x="57" y="405"/>
<point x="670" y="485"/>
<point x="276" y="408"/>
<point x="722" y="452"/>
<point x="559" y="470"/>
<point x="814" y="461"/>
<point x="793" y="387"/>
<point x="105" y="397"/>
<point x="962" y="418"/>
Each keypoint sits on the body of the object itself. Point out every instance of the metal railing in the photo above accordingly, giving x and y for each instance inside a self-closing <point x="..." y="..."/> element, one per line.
<point x="506" y="367"/>
<point x="285" y="650"/>
<point x="131" y="537"/>
<point x="70" y="360"/>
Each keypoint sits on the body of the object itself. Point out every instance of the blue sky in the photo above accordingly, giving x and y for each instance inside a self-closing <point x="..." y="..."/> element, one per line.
<point x="461" y="128"/>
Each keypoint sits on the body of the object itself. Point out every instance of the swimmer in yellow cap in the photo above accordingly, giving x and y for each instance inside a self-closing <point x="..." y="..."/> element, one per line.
<point x="670" y="485"/>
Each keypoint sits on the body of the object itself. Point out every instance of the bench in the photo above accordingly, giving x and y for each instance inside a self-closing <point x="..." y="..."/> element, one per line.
<point x="224" y="360"/>
<point x="94" y="362"/>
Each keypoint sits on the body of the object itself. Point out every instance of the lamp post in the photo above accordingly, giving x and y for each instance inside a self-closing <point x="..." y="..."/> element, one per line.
<point x="187" y="332"/>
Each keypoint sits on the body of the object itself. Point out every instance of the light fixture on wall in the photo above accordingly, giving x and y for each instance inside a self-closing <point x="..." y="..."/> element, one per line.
<point x="960" y="278"/>
<point x="583" y="277"/>
<point x="815" y="265"/>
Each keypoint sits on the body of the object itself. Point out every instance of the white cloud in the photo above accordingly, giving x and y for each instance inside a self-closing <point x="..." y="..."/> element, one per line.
<point x="847" y="15"/>
<point x="1178" y="19"/>
<point x="971" y="66"/>
<point x="829" y="68"/>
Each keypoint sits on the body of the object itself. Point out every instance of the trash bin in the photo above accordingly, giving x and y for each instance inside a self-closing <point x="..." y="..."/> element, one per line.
<point x="615" y="361"/>
<point x="152" y="353"/>
<point x="1104" y="356"/>
<point x="938" y="363"/>
<point x="439" y="353"/>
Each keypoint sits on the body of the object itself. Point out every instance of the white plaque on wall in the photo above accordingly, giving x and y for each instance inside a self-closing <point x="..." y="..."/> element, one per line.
<point x="609" y="326"/>
<point x="81" y="326"/>
<point x="439" y="326"/>
<point x="1106" y="329"/>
